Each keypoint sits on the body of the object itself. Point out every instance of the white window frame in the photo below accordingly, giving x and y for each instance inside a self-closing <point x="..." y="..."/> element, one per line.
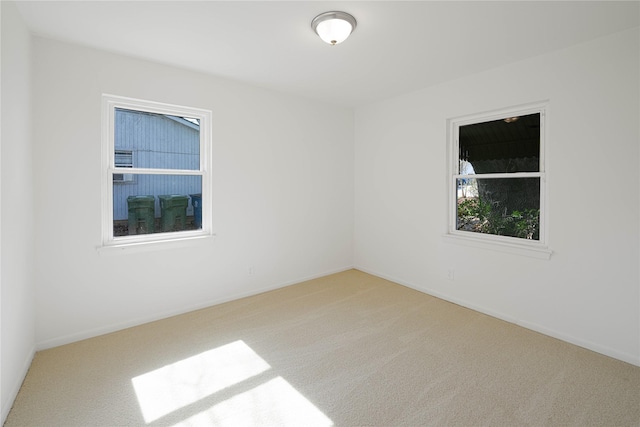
<point x="109" y="105"/>
<point x="534" y="248"/>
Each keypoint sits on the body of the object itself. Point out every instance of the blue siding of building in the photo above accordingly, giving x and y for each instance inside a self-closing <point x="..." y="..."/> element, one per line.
<point x="160" y="142"/>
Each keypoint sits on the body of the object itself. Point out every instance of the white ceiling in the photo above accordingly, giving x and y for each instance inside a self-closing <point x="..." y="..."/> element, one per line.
<point x="398" y="46"/>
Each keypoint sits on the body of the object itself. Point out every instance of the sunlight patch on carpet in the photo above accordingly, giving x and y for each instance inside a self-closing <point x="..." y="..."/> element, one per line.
<point x="274" y="403"/>
<point x="187" y="381"/>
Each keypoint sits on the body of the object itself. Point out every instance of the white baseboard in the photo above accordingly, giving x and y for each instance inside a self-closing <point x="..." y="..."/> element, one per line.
<point x="67" y="339"/>
<point x="10" y="397"/>
<point x="625" y="357"/>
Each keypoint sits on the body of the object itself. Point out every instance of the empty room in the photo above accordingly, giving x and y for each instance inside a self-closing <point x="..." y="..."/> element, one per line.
<point x="301" y="213"/>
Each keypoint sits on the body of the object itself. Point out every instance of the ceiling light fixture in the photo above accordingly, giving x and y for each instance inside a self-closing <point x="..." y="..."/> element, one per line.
<point x="333" y="27"/>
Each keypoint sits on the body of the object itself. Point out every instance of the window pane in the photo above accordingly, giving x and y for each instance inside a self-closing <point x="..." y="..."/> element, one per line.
<point x="157" y="141"/>
<point x="502" y="206"/>
<point x="500" y="146"/>
<point x="157" y="204"/>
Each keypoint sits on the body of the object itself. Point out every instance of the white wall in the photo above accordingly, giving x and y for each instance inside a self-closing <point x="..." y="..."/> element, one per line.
<point x="17" y="308"/>
<point x="588" y="292"/>
<point x="283" y="195"/>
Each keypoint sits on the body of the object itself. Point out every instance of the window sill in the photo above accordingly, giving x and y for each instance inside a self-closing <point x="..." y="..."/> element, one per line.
<point x="154" y="245"/>
<point x="512" y="248"/>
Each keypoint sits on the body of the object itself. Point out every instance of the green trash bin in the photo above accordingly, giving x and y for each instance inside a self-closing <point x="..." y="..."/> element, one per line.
<point x="141" y="214"/>
<point x="173" y="212"/>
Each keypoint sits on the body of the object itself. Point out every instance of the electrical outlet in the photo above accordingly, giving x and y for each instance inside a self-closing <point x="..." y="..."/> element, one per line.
<point x="251" y="270"/>
<point x="450" y="275"/>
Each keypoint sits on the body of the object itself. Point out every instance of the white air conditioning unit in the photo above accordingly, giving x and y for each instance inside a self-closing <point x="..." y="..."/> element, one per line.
<point x="123" y="159"/>
<point x="122" y="177"/>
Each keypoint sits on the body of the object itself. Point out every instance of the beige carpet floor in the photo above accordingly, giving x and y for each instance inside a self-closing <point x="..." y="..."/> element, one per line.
<point x="348" y="349"/>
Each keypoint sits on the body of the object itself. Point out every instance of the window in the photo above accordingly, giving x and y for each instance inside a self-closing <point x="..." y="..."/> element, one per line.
<point x="156" y="172"/>
<point x="497" y="184"/>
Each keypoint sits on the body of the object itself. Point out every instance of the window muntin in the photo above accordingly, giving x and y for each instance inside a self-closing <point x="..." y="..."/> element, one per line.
<point x="498" y="181"/>
<point x="162" y="152"/>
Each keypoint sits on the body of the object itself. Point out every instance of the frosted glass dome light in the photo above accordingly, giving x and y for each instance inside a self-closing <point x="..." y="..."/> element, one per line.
<point x="333" y="27"/>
